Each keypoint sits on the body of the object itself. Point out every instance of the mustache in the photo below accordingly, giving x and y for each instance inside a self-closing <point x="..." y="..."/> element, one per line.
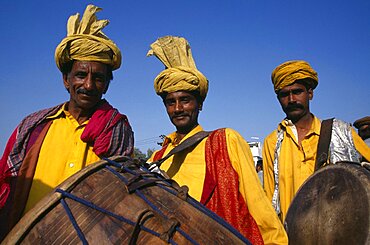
<point x="180" y="115"/>
<point x="294" y="106"/>
<point x="87" y="92"/>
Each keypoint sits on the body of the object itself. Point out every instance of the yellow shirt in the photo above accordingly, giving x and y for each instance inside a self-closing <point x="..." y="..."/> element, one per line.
<point x="62" y="154"/>
<point x="296" y="162"/>
<point x="188" y="168"/>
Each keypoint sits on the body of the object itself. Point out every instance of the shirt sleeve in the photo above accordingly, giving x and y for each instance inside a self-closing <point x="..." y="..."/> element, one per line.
<point x="251" y="189"/>
<point x="361" y="146"/>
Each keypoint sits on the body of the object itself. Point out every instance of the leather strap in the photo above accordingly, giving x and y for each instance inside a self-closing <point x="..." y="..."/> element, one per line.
<point x="191" y="141"/>
<point x="324" y="142"/>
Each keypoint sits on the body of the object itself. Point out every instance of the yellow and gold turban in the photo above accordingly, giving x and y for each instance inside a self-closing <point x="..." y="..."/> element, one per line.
<point x="290" y="71"/>
<point x="181" y="72"/>
<point x="85" y="41"/>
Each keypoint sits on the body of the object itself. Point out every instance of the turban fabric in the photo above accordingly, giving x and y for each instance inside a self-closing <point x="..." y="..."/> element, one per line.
<point x="290" y="71"/>
<point x="361" y="122"/>
<point x="181" y="72"/>
<point x="85" y="41"/>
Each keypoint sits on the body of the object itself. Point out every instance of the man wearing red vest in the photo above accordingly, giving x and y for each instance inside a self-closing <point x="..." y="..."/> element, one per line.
<point x="219" y="170"/>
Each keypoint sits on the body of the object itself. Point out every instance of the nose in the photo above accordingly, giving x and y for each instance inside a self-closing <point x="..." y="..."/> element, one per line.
<point x="291" y="97"/>
<point x="89" y="83"/>
<point x="178" y="107"/>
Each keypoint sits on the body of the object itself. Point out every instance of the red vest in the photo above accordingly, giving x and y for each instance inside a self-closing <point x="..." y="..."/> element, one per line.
<point x="221" y="188"/>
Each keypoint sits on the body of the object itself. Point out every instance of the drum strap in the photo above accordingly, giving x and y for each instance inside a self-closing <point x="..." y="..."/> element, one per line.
<point x="324" y="142"/>
<point x="191" y="141"/>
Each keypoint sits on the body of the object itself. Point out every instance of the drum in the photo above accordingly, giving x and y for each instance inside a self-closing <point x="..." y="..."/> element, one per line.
<point x="117" y="201"/>
<point x="332" y="207"/>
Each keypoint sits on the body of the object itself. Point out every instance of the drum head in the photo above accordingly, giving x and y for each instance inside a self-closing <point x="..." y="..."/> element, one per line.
<point x="331" y="207"/>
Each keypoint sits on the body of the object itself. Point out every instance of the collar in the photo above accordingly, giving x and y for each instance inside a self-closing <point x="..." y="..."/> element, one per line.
<point x="63" y="112"/>
<point x="290" y="128"/>
<point x="171" y="137"/>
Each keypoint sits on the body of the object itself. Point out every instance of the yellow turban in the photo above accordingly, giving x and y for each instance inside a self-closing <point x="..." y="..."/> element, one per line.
<point x="85" y="41"/>
<point x="290" y="71"/>
<point x="181" y="72"/>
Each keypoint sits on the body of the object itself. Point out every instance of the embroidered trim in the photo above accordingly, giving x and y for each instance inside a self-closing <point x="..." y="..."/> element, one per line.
<point x="276" y="195"/>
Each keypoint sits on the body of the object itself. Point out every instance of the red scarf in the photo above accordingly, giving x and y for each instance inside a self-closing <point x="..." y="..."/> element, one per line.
<point x="221" y="187"/>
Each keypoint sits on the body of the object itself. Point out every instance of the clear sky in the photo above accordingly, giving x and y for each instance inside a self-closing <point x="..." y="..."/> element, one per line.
<point x="235" y="44"/>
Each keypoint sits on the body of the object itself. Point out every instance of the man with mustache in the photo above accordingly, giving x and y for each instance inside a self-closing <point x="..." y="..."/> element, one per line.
<point x="363" y="127"/>
<point x="289" y="153"/>
<point x="50" y="145"/>
<point x="219" y="170"/>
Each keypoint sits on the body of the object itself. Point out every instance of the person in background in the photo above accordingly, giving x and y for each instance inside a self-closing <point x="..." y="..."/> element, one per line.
<point x="52" y="144"/>
<point x="259" y="169"/>
<point x="363" y="127"/>
<point x="219" y="170"/>
<point x="289" y="152"/>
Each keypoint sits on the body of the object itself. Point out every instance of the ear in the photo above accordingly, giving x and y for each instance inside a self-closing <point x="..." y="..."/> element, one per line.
<point x="65" y="81"/>
<point x="106" y="87"/>
<point x="310" y="94"/>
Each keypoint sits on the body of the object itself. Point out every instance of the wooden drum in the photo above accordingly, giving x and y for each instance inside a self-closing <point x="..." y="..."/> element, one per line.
<point x="117" y="201"/>
<point x="332" y="207"/>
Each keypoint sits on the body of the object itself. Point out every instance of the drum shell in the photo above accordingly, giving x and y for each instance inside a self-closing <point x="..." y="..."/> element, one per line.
<point x="332" y="207"/>
<point x="47" y="222"/>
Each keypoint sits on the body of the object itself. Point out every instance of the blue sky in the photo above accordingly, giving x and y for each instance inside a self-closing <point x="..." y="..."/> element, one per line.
<point x="235" y="44"/>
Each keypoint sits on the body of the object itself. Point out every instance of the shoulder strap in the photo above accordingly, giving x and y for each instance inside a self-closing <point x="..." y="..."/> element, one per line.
<point x="324" y="142"/>
<point x="191" y="141"/>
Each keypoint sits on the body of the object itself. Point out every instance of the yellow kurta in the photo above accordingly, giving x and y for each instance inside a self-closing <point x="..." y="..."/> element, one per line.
<point x="189" y="167"/>
<point x="62" y="154"/>
<point x="296" y="162"/>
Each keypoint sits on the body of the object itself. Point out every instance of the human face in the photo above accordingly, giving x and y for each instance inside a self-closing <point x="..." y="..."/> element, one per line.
<point x="364" y="131"/>
<point x="183" y="110"/>
<point x="294" y="100"/>
<point x="86" y="83"/>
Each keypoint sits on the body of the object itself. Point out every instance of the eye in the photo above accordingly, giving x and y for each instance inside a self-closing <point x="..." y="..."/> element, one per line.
<point x="100" y="78"/>
<point x="80" y="75"/>
<point x="283" y="94"/>
<point x="185" y="99"/>
<point x="297" y="91"/>
<point x="170" y="102"/>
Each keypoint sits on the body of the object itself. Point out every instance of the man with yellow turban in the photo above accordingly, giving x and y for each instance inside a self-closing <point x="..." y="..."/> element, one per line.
<point x="289" y="153"/>
<point x="363" y="127"/>
<point x="219" y="168"/>
<point x="50" y="145"/>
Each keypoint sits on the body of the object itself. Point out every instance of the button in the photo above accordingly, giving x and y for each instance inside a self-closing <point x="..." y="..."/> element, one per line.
<point x="71" y="165"/>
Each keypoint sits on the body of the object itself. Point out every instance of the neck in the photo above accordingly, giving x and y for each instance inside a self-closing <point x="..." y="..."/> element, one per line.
<point x="181" y="133"/>
<point x="303" y="126"/>
<point x="79" y="114"/>
<point x="304" y="122"/>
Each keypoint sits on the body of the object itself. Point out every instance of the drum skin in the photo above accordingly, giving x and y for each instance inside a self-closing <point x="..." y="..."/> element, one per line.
<point x="331" y="207"/>
<point x="169" y="219"/>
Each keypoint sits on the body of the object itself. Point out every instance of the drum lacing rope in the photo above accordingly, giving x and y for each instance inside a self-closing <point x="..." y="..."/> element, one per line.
<point x="142" y="196"/>
<point x="143" y="216"/>
<point x="95" y="207"/>
<point x="190" y="200"/>
<point x="74" y="223"/>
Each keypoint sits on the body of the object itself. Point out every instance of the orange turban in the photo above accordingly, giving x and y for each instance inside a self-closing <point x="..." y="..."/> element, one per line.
<point x="85" y="41"/>
<point x="181" y="72"/>
<point x="290" y="71"/>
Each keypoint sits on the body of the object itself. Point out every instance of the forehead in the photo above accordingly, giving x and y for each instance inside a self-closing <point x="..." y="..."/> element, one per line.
<point x="89" y="65"/>
<point x="293" y="87"/>
<point x="179" y="94"/>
